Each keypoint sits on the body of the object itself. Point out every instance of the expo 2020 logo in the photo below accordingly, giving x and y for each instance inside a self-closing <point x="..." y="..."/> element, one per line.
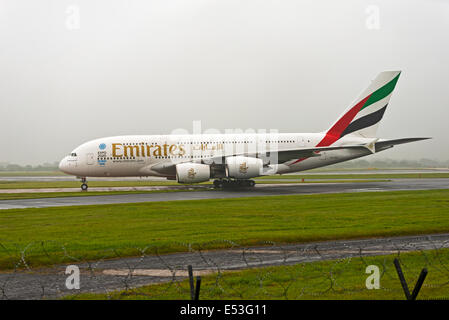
<point x="102" y="146"/>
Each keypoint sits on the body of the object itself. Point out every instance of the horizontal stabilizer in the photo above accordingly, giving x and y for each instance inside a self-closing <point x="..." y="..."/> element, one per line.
<point x="385" y="144"/>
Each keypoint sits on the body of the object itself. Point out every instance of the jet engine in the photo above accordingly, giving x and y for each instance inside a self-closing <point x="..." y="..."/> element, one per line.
<point x="192" y="172"/>
<point x="243" y="167"/>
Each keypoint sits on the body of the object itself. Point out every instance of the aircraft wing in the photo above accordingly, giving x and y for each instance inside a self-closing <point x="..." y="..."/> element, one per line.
<point x="282" y="156"/>
<point x="286" y="155"/>
<point x="292" y="154"/>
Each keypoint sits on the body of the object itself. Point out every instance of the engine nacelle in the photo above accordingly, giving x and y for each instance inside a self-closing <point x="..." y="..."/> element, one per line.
<point x="192" y="172"/>
<point x="243" y="167"/>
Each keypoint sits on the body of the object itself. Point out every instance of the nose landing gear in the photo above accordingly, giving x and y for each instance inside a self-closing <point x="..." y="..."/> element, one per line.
<point x="84" y="184"/>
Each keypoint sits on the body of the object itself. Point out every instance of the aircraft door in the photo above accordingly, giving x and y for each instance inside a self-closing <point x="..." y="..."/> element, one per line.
<point x="90" y="158"/>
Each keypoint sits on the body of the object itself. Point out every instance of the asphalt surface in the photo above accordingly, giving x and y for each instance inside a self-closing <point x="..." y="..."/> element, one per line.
<point x="102" y="276"/>
<point x="259" y="190"/>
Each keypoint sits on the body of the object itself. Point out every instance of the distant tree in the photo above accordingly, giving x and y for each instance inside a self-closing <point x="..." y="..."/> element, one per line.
<point x="13" y="167"/>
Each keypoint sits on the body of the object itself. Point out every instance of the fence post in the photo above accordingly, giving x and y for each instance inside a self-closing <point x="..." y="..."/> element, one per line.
<point x="418" y="285"/>
<point x="402" y="278"/>
<point x="422" y="277"/>
<point x="192" y="289"/>
<point x="197" y="288"/>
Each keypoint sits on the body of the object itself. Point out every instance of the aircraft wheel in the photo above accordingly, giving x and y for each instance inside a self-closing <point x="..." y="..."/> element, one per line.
<point x="227" y="183"/>
<point x="84" y="187"/>
<point x="252" y="183"/>
<point x="218" y="184"/>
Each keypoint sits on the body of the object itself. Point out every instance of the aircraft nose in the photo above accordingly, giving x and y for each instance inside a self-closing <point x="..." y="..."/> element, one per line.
<point x="63" y="165"/>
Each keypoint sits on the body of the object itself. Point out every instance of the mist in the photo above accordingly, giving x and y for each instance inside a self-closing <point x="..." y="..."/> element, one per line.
<point x="73" y="71"/>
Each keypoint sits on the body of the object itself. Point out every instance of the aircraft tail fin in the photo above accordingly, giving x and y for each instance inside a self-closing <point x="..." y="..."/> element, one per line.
<point x="362" y="118"/>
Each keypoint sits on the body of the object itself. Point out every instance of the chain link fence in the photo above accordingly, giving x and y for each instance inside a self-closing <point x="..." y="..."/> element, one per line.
<point x="353" y="269"/>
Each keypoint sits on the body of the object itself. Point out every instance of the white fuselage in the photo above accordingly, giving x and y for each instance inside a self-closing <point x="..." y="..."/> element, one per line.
<point x="145" y="155"/>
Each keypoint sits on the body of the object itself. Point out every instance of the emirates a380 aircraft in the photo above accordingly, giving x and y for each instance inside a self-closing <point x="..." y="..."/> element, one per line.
<point x="233" y="159"/>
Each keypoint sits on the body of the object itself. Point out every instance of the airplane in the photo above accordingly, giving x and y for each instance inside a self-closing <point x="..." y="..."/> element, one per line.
<point x="234" y="159"/>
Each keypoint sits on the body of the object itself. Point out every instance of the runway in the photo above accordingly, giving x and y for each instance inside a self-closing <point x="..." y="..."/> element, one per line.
<point x="102" y="276"/>
<point x="259" y="190"/>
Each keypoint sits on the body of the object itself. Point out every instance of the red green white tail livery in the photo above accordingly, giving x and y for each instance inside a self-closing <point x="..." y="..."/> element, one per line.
<point x="363" y="118"/>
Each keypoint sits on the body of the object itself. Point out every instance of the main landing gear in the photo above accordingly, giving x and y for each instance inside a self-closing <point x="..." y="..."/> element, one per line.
<point x="84" y="184"/>
<point x="228" y="183"/>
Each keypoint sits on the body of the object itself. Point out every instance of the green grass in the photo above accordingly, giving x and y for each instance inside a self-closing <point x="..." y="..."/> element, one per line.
<point x="358" y="176"/>
<point x="43" y="195"/>
<point x="90" y="232"/>
<point x="307" y="281"/>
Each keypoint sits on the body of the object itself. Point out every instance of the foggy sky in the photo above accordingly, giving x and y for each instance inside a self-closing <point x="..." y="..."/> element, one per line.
<point x="73" y="71"/>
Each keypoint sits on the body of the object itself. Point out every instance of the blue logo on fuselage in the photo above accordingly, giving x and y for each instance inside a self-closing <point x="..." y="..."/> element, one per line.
<point x="102" y="146"/>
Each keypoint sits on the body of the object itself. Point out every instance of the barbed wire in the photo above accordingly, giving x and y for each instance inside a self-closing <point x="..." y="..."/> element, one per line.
<point x="267" y="270"/>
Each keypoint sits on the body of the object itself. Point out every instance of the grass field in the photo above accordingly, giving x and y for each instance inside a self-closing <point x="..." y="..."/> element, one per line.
<point x="43" y="195"/>
<point x="90" y="232"/>
<point x="308" y="281"/>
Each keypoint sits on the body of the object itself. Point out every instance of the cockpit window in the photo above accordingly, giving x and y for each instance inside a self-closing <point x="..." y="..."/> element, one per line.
<point x="73" y="154"/>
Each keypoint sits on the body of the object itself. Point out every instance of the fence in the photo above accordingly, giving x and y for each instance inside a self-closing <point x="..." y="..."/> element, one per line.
<point x="357" y="269"/>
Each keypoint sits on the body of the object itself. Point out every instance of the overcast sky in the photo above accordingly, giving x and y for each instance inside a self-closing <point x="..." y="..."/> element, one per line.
<point x="72" y="71"/>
